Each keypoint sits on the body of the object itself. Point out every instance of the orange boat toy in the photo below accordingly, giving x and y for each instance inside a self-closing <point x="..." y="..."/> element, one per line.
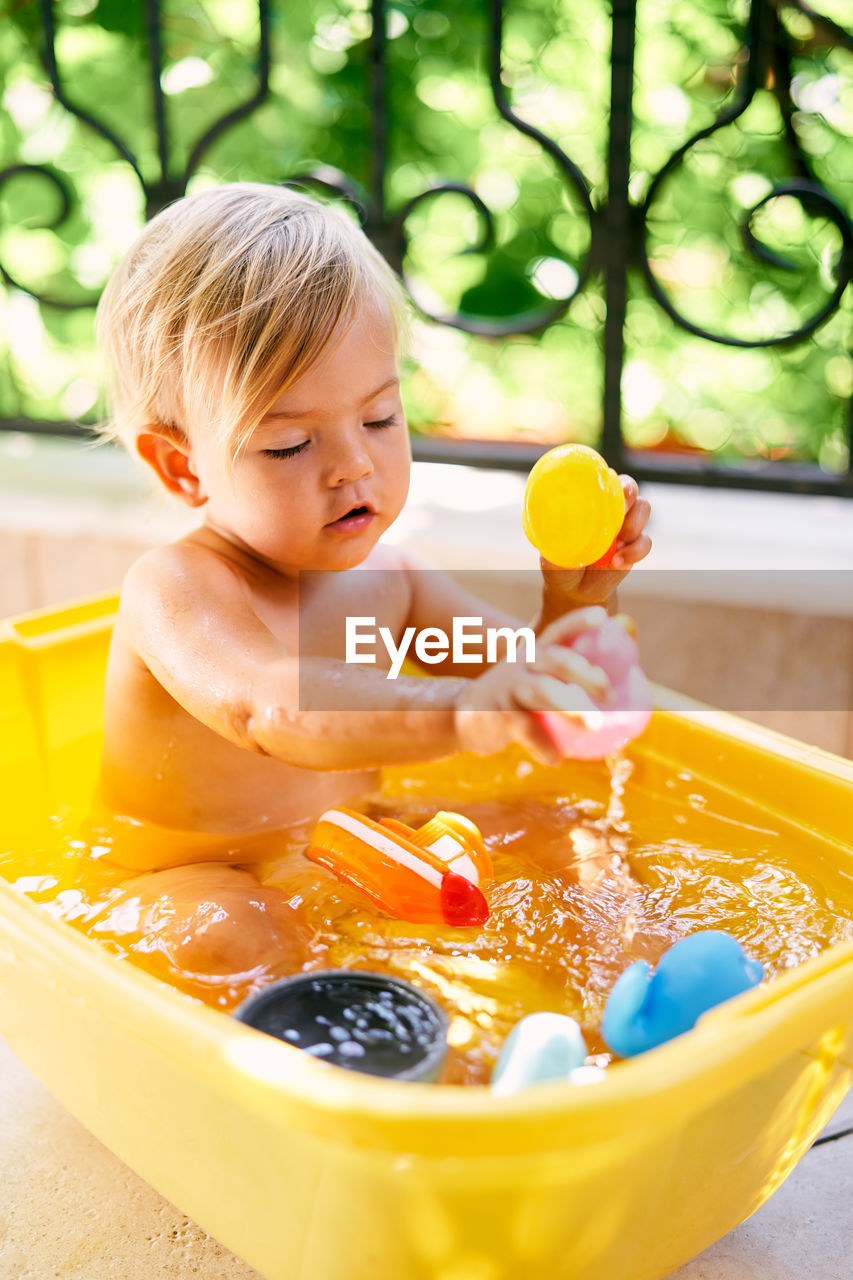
<point x="430" y="875"/>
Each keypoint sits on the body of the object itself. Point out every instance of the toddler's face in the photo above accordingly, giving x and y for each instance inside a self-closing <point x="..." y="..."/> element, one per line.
<point x="327" y="471"/>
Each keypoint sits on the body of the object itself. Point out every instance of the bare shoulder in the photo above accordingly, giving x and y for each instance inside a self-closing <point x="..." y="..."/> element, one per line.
<point x="185" y="608"/>
<point x="175" y="576"/>
<point x="168" y="583"/>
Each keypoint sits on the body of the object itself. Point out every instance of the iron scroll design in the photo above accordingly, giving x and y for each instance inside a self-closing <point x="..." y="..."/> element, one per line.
<point x="618" y="227"/>
<point x="167" y="185"/>
<point x="57" y="181"/>
<point x="767" y="50"/>
<point x="388" y="231"/>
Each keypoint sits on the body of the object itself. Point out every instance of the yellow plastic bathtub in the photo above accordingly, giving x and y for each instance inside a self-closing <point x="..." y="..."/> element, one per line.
<point x="320" y="1174"/>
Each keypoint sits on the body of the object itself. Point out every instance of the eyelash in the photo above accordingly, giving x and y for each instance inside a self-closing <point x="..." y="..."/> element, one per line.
<point x="292" y="450"/>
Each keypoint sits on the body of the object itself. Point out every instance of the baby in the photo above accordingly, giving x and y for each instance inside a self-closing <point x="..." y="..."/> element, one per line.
<point x="254" y="337"/>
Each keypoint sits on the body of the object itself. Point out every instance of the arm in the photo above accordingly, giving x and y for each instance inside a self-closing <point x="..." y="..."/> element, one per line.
<point x="189" y="617"/>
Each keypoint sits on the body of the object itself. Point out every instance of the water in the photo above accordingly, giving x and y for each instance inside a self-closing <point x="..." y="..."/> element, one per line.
<point x="360" y="1028"/>
<point x="616" y="865"/>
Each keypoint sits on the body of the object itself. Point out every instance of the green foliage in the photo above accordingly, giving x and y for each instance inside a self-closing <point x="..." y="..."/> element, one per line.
<point x="443" y="126"/>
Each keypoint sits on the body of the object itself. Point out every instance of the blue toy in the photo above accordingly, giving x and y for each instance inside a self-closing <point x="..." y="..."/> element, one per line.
<point x="647" y="1008"/>
<point x="542" y="1046"/>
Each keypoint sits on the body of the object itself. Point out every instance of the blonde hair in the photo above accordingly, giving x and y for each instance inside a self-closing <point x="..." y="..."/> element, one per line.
<point x="227" y="297"/>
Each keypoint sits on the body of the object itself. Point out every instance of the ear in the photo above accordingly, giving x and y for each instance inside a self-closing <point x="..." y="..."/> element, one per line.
<point x="169" y="456"/>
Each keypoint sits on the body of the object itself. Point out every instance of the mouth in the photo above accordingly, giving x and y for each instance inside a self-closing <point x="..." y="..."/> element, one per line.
<point x="356" y="518"/>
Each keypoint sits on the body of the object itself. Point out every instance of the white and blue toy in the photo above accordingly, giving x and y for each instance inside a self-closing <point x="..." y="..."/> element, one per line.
<point x="646" y="1008"/>
<point x="541" y="1047"/>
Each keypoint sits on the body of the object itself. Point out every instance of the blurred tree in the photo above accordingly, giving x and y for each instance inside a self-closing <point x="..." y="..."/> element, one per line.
<point x="442" y="125"/>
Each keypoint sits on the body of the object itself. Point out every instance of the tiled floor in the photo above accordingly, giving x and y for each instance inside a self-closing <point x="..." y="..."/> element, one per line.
<point x="71" y="1210"/>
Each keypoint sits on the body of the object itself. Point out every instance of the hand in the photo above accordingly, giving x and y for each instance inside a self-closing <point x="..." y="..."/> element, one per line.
<point x="596" y="583"/>
<point x="493" y="710"/>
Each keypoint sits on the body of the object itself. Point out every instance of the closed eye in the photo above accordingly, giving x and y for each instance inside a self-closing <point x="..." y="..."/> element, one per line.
<point x="290" y="451"/>
<point x="384" y="422"/>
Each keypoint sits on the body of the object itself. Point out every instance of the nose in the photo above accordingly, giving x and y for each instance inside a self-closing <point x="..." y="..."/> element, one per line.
<point x="350" y="461"/>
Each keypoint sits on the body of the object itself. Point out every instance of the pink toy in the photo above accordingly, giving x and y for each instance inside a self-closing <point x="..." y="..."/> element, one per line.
<point x="609" y="725"/>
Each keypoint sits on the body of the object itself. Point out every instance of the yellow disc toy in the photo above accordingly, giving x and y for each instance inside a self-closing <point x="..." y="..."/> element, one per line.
<point x="573" y="506"/>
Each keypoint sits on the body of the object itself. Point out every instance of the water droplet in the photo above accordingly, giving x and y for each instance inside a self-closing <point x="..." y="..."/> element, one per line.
<point x="349" y="1049"/>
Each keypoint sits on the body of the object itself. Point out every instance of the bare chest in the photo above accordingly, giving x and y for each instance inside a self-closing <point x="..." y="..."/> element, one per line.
<point x="335" y="615"/>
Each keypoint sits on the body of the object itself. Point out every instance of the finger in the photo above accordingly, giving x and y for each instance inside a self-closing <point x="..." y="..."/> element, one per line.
<point x="526" y="694"/>
<point x="630" y="488"/>
<point x="545" y="693"/>
<point x="563" y="664"/>
<point x="635" y="521"/>
<point x="564" y="629"/>
<point x="635" y="551"/>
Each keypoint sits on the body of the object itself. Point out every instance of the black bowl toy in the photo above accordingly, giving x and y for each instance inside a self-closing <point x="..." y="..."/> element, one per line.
<point x="362" y="1021"/>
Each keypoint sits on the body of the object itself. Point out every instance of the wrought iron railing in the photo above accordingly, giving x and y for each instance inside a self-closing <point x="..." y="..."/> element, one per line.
<point x="618" y="227"/>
